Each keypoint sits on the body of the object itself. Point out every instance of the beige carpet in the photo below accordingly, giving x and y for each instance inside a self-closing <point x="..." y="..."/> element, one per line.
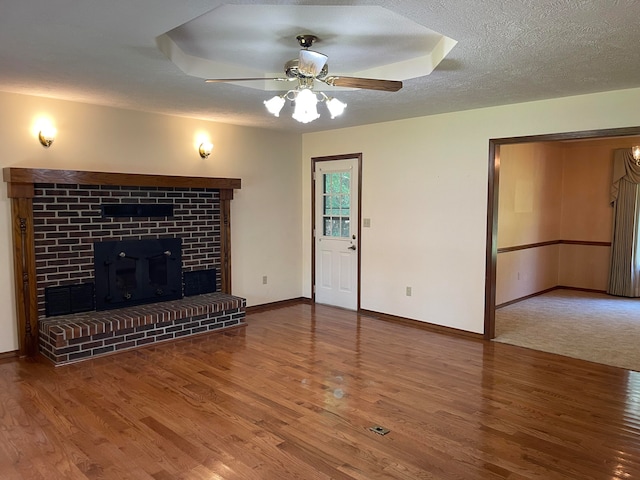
<point x="590" y="326"/>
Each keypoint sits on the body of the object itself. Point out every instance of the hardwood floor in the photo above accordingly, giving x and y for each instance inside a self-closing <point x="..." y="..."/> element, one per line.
<point x="292" y="396"/>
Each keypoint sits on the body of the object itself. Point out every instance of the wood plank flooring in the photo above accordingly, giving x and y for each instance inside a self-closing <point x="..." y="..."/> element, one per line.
<point x="292" y="396"/>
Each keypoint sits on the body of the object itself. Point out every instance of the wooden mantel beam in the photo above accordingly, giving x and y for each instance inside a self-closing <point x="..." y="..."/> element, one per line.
<point x="15" y="175"/>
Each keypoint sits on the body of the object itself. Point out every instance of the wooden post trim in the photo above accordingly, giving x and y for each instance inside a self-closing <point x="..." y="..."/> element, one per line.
<point x="226" y="195"/>
<point x="25" y="275"/>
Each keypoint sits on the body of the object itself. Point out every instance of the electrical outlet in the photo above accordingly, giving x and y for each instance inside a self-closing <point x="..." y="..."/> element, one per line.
<point x="264" y="280"/>
<point x="408" y="291"/>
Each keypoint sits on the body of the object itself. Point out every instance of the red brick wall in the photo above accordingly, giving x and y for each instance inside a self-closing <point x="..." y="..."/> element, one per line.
<point x="68" y="221"/>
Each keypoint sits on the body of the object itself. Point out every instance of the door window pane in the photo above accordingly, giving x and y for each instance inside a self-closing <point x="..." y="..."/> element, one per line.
<point x="344" y="227"/>
<point x="345" y="183"/>
<point x="326" y="230"/>
<point x="335" y="227"/>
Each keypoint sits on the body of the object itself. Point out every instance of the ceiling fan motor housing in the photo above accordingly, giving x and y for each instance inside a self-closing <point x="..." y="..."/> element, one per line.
<point x="306" y="41"/>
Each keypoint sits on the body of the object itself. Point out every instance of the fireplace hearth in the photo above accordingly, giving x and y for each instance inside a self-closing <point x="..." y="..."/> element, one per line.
<point x="135" y="272"/>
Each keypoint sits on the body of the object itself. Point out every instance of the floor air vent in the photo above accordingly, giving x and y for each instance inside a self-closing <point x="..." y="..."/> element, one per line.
<point x="379" y="430"/>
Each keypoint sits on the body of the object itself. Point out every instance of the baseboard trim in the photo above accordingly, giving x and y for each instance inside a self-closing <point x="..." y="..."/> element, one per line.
<point x="431" y="327"/>
<point x="542" y="292"/>
<point x="370" y="313"/>
<point x="7" y="356"/>
<point x="264" y="307"/>
<point x="578" y="289"/>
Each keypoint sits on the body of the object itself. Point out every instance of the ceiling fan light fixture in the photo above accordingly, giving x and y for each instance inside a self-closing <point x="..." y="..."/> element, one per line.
<point x="274" y="105"/>
<point x="306" y="106"/>
<point x="309" y="67"/>
<point x="335" y="106"/>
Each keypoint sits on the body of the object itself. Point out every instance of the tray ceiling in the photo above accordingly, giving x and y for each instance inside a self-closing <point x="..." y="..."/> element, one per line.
<point x="107" y="53"/>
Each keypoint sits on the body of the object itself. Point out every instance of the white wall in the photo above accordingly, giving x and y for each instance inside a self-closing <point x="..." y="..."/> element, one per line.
<point x="266" y="212"/>
<point x="425" y="191"/>
<point x="530" y="211"/>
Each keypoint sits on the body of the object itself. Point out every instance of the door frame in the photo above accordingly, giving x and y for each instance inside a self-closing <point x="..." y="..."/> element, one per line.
<point x="314" y="161"/>
<point x="492" y="204"/>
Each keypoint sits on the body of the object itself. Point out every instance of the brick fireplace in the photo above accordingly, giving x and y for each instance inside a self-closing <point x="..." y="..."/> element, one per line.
<point x="68" y="222"/>
<point x="58" y="216"/>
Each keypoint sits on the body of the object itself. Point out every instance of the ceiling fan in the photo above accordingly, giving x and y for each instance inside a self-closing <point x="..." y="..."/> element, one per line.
<point x="312" y="65"/>
<point x="308" y="67"/>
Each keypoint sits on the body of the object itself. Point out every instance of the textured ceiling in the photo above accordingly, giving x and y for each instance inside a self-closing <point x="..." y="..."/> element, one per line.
<point x="508" y="51"/>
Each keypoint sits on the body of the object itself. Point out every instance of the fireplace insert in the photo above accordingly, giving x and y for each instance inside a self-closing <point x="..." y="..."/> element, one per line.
<point x="134" y="272"/>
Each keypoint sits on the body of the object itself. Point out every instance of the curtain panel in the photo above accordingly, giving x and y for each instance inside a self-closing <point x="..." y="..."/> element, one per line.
<point x="624" y="271"/>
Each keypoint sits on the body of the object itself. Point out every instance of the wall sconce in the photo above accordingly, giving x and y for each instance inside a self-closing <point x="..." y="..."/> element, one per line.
<point x="47" y="135"/>
<point x="205" y="149"/>
<point x="635" y="151"/>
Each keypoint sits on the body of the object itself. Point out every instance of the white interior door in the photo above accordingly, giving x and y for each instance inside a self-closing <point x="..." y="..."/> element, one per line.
<point x="336" y="232"/>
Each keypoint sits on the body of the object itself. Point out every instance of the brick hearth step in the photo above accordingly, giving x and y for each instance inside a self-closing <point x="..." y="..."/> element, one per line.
<point x="80" y="336"/>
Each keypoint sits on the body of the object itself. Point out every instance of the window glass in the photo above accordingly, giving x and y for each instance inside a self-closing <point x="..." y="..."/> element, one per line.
<point x="336" y="204"/>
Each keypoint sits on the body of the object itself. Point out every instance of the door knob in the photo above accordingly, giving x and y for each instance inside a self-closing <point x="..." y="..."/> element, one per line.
<point x="352" y="247"/>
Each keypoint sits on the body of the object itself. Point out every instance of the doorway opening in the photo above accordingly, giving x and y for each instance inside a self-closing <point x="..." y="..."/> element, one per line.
<point x="492" y="203"/>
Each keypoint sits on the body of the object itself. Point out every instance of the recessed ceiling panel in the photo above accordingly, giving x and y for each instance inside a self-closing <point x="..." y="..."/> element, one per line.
<point x="257" y="40"/>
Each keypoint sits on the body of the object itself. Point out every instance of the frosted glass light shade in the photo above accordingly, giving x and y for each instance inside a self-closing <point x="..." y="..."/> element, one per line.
<point x="306" y="106"/>
<point x="335" y="107"/>
<point x="274" y="105"/>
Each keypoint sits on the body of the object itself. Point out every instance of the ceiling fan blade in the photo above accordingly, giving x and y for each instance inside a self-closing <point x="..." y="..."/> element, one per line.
<point x="366" y="83"/>
<point x="310" y="63"/>
<point x="222" y="80"/>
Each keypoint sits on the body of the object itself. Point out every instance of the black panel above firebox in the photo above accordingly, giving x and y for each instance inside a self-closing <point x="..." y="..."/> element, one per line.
<point x="134" y="272"/>
<point x="137" y="210"/>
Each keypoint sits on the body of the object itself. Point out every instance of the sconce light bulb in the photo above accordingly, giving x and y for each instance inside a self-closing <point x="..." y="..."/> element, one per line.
<point x="47" y="136"/>
<point x="205" y="149"/>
